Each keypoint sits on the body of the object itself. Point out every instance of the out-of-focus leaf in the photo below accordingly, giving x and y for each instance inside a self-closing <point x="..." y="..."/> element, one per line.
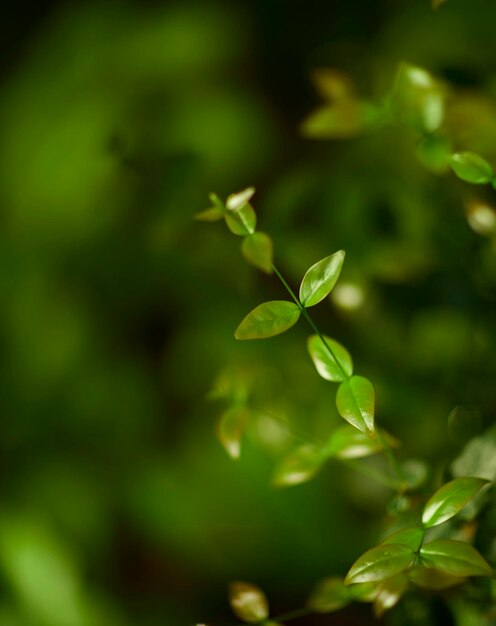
<point x="329" y="595"/>
<point x="362" y="592"/>
<point x="347" y="442"/>
<point x="481" y="217"/>
<point x="355" y="401"/>
<point x="450" y="499"/>
<point x="241" y="222"/>
<point x="248" y="602"/>
<point x="478" y="457"/>
<point x="214" y="214"/>
<point x="332" y="84"/>
<point x="380" y="563"/>
<point x="415" y="473"/>
<point x="418" y="99"/>
<point x="344" y="119"/>
<point x="268" y="319"/>
<point x="299" y="466"/>
<point x="334" y="364"/>
<point x="455" y="558"/>
<point x="237" y="201"/>
<point x="320" y="279"/>
<point x="433" y="151"/>
<point x="258" y="250"/>
<point x="437" y="3"/>
<point x="230" y="428"/>
<point x="389" y="593"/>
<point x="431" y="578"/>
<point x="408" y="536"/>
<point x="471" y="168"/>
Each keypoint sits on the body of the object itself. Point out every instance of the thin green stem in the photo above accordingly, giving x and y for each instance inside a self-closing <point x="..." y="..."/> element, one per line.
<point x="286" y="617"/>
<point x="309" y="319"/>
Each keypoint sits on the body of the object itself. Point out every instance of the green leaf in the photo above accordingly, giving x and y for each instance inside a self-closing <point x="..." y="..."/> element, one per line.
<point x="478" y="457"/>
<point x="299" y="466"/>
<point x="248" y="602"/>
<point x="214" y="214"/>
<point x="230" y="428"/>
<point x="431" y="578"/>
<point x="411" y="537"/>
<point x="389" y="594"/>
<point x="471" y="167"/>
<point x="268" y="319"/>
<point x="258" y="250"/>
<point x="239" y="200"/>
<point x="433" y="152"/>
<point x="335" y="367"/>
<point x="241" y="222"/>
<point x="362" y="592"/>
<point x="320" y="279"/>
<point x="455" y="558"/>
<point x="450" y="499"/>
<point x="380" y="563"/>
<point x="346" y="117"/>
<point x="415" y="473"/>
<point x="355" y="401"/>
<point x="330" y="595"/>
<point x="347" y="442"/>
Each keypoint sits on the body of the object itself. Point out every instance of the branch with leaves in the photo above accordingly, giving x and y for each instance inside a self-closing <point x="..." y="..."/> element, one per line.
<point x="410" y="556"/>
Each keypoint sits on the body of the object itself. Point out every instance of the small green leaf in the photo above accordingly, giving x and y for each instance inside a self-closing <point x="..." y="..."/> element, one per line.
<point x="362" y="592"/>
<point x="299" y="466"/>
<point x="455" y="558"/>
<point x="320" y="279"/>
<point x="334" y="364"/>
<point x="389" y="594"/>
<point x="268" y="319"/>
<point x="355" y="401"/>
<point x="380" y="563"/>
<point x="214" y="214"/>
<point x="431" y="578"/>
<point x="415" y="473"/>
<point x="411" y="537"/>
<point x="248" y="602"/>
<point x="347" y="442"/>
<point x="433" y="152"/>
<point x="238" y="200"/>
<point x="346" y="117"/>
<point x="241" y="222"/>
<point x="230" y="429"/>
<point x="258" y="250"/>
<point x="329" y="595"/>
<point x="471" y="167"/>
<point x="450" y="499"/>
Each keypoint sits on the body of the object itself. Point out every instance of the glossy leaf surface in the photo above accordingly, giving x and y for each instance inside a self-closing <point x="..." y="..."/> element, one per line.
<point x="320" y="279"/>
<point x="380" y="563"/>
<point x="248" y="602"/>
<point x="268" y="319"/>
<point x="455" y="558"/>
<point x="355" y="401"/>
<point x="450" y="499"/>
<point x="389" y="593"/>
<point x="258" y="250"/>
<point x="471" y="167"/>
<point x="411" y="537"/>
<point x="332" y="361"/>
<point x="242" y="221"/>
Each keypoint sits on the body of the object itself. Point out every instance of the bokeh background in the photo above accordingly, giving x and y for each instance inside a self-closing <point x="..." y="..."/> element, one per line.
<point x="118" y="504"/>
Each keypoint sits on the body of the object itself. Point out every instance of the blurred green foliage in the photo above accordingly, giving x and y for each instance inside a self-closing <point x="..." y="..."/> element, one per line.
<point x="118" y="504"/>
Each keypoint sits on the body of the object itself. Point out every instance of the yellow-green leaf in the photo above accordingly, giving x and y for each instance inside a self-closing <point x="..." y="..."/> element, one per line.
<point x="329" y="595"/>
<point x="471" y="168"/>
<point x="431" y="578"/>
<point x="347" y="442"/>
<point x="268" y="319"/>
<point x="230" y="428"/>
<point x="299" y="466"/>
<point x="380" y="563"/>
<point x="258" y="250"/>
<point x="389" y="593"/>
<point x="248" y="602"/>
<point x="238" y="200"/>
<point x="450" y="499"/>
<point x="455" y="558"/>
<point x="214" y="214"/>
<point x="355" y="401"/>
<point x="320" y="279"/>
<point x="332" y="361"/>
